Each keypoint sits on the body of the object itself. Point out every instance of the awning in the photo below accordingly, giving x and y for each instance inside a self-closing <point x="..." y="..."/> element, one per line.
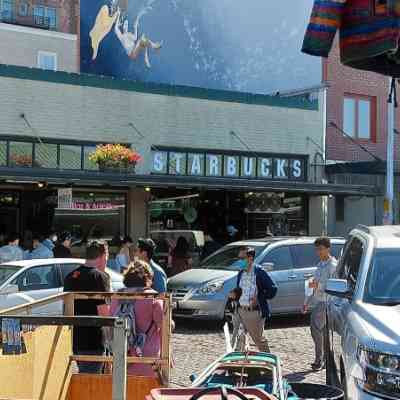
<point x="361" y="167"/>
<point x="94" y="178"/>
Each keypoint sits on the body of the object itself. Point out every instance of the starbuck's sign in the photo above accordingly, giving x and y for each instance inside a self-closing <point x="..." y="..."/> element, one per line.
<point x="209" y="163"/>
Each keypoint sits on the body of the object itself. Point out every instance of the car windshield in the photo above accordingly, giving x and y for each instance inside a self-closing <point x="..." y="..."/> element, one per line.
<point x="228" y="258"/>
<point x="383" y="282"/>
<point x="6" y="271"/>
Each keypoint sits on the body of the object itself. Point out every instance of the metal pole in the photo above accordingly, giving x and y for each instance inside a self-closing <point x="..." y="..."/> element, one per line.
<point x="388" y="202"/>
<point x="120" y="350"/>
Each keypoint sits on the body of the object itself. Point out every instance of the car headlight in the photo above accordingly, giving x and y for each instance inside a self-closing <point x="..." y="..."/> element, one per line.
<point x="210" y="288"/>
<point x="381" y="372"/>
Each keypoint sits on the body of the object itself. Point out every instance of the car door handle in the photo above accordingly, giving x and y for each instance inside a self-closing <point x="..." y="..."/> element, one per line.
<point x="308" y="275"/>
<point x="292" y="276"/>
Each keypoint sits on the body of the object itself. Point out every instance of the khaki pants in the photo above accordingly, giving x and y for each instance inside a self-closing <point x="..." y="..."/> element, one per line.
<point x="254" y="325"/>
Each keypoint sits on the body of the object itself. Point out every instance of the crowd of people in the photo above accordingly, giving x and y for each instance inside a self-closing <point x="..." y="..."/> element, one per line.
<point x="141" y="274"/>
<point x="35" y="246"/>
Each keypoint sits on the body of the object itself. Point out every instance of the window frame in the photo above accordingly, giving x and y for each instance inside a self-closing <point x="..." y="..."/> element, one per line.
<point x="23" y="9"/>
<point x="44" y="53"/>
<point x="25" y="271"/>
<point x="276" y="249"/>
<point x="41" y="11"/>
<point x="343" y="271"/>
<point x="372" y="116"/>
<point x="11" y="10"/>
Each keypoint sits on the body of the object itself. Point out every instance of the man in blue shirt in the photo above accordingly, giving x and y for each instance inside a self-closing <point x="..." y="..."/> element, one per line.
<point x="145" y="251"/>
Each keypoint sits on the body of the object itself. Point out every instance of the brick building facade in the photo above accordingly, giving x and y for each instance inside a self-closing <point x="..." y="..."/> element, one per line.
<point x="344" y="82"/>
<point x="55" y="15"/>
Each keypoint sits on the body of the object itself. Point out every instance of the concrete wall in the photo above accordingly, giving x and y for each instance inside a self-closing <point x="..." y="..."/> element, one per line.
<point x="20" y="46"/>
<point x="357" y="210"/>
<point x="81" y="112"/>
<point x="137" y="215"/>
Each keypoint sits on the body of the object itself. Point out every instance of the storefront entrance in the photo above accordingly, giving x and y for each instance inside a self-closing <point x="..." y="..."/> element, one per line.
<point x="253" y="215"/>
<point x="91" y="214"/>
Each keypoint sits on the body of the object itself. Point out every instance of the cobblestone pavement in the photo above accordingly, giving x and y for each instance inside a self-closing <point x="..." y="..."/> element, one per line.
<point x="197" y="344"/>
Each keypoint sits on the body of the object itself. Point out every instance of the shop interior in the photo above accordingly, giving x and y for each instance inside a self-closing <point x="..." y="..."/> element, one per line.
<point x="253" y="215"/>
<point x="34" y="207"/>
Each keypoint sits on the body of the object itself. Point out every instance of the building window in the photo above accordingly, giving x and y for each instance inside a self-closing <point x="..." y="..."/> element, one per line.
<point x="359" y="117"/>
<point x="47" y="60"/>
<point x="23" y="9"/>
<point x="7" y="10"/>
<point x="339" y="205"/>
<point x="45" y="16"/>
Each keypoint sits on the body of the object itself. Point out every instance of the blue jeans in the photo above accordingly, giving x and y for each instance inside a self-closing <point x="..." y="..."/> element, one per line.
<point x="90" y="367"/>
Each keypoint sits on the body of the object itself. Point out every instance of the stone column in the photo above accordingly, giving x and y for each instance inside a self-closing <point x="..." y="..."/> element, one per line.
<point x="137" y="213"/>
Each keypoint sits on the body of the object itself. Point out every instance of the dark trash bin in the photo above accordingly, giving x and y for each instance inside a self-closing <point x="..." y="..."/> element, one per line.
<point x="314" y="391"/>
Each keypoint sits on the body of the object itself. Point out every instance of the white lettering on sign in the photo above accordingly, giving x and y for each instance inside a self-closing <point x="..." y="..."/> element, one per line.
<point x="201" y="163"/>
<point x="214" y="168"/>
<point x="178" y="162"/>
<point x="196" y="165"/>
<point x="280" y="168"/>
<point x="265" y="167"/>
<point x="297" y="168"/>
<point x="248" y="165"/>
<point x="158" y="162"/>
<point x="231" y="166"/>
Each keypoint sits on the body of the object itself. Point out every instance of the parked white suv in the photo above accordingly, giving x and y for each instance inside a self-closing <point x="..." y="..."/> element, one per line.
<point x="26" y="281"/>
<point x="363" y="316"/>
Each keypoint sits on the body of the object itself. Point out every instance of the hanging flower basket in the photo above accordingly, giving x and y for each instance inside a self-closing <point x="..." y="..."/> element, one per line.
<point x="115" y="158"/>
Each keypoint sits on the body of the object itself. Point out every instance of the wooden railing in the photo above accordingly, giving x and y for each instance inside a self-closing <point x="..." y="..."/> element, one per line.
<point x="161" y="364"/>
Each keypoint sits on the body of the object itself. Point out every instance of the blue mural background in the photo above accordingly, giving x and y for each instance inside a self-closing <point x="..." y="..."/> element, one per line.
<point x="249" y="46"/>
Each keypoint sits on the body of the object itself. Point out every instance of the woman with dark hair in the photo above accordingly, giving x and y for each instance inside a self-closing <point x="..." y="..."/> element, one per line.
<point x="148" y="314"/>
<point x="122" y="259"/>
<point x="180" y="257"/>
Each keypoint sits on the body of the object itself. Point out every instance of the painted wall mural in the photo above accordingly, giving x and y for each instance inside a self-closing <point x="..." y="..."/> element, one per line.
<point x="248" y="46"/>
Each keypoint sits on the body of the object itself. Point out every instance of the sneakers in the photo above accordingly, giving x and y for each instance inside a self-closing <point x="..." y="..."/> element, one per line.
<point x="318" y="366"/>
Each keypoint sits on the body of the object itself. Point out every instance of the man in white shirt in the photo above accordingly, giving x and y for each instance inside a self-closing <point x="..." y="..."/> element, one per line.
<point x="326" y="269"/>
<point x="254" y="288"/>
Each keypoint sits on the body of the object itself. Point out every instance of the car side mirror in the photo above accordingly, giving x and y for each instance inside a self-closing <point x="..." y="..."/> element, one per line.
<point x="9" y="289"/>
<point x="193" y="377"/>
<point x="338" y="288"/>
<point x="267" y="266"/>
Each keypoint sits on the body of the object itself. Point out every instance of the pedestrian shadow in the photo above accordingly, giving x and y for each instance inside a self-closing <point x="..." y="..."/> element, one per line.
<point x="288" y="321"/>
<point x="194" y="327"/>
<point x="298" y="376"/>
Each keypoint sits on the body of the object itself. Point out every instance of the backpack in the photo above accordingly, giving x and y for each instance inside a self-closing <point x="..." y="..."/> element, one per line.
<point x="136" y="341"/>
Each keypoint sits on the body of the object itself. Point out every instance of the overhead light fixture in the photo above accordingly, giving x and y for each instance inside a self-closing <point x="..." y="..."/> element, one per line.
<point x="20" y="181"/>
<point x="147" y="189"/>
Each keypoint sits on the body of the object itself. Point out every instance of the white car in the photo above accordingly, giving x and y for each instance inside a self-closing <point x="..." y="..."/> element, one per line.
<point x="26" y="281"/>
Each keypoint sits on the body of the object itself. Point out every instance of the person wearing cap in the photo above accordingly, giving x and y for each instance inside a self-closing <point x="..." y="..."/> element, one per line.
<point x="63" y="247"/>
<point x="145" y="251"/>
<point x="254" y="287"/>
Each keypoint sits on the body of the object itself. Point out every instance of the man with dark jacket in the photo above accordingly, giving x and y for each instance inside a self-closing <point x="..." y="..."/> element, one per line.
<point x="253" y="290"/>
<point x="63" y="247"/>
